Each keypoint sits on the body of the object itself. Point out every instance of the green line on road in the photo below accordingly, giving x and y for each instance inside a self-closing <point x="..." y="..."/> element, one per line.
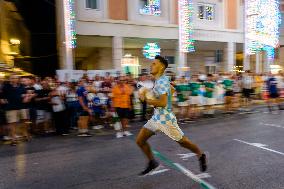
<point x="164" y="159"/>
<point x="180" y="168"/>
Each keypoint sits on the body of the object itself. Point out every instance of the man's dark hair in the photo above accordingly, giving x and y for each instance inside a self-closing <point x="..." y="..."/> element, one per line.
<point x="162" y="60"/>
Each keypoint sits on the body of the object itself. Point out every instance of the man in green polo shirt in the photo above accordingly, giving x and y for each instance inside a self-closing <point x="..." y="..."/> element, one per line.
<point x="229" y="93"/>
<point x="182" y="89"/>
<point x="194" y="98"/>
<point x="209" y="95"/>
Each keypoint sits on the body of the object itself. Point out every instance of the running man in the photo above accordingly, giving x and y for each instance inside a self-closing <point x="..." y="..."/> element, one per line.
<point x="163" y="119"/>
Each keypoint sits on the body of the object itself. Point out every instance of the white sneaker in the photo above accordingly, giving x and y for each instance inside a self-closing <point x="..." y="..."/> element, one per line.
<point x="119" y="135"/>
<point x="18" y="136"/>
<point x="7" y="138"/>
<point x="97" y="127"/>
<point x="127" y="133"/>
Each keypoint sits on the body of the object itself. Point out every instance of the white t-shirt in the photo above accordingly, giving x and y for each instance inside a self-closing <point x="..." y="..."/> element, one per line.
<point x="37" y="87"/>
<point x="247" y="82"/>
<point x="97" y="84"/>
<point x="62" y="90"/>
<point x="59" y="107"/>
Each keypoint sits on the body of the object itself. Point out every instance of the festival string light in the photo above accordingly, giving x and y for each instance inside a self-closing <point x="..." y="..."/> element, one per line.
<point x="153" y="7"/>
<point x="186" y="41"/>
<point x="263" y="20"/>
<point x="70" y="20"/>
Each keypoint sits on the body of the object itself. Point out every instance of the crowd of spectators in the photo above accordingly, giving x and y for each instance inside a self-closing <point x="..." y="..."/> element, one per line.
<point x="32" y="106"/>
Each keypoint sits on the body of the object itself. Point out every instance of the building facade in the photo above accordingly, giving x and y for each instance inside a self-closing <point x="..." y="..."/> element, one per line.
<point x="109" y="32"/>
<point x="14" y="35"/>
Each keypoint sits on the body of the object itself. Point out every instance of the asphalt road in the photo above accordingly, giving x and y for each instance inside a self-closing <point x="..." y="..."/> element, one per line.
<point x="246" y="152"/>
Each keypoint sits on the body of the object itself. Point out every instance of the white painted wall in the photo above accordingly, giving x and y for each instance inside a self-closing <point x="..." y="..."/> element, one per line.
<point x="217" y="23"/>
<point x="95" y="22"/>
<point x="241" y="13"/>
<point x="99" y="59"/>
<point x="82" y="13"/>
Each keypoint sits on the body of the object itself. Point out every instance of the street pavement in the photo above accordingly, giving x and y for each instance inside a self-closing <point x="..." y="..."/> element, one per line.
<point x="246" y="152"/>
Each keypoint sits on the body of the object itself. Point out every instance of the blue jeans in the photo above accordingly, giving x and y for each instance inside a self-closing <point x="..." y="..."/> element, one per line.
<point x="73" y="109"/>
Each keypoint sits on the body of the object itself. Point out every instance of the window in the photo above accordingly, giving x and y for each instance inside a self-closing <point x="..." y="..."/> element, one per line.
<point x="171" y="59"/>
<point x="92" y="4"/>
<point x="218" y="56"/>
<point x="206" y="11"/>
<point x="210" y="69"/>
<point x="150" y="7"/>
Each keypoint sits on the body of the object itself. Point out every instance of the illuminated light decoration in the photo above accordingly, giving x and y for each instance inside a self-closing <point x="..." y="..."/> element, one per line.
<point x="205" y="11"/>
<point x="209" y="12"/>
<point x="186" y="41"/>
<point x="263" y="20"/>
<point x="70" y="28"/>
<point x="15" y="41"/>
<point x="270" y="51"/>
<point x="153" y="7"/>
<point x="150" y="50"/>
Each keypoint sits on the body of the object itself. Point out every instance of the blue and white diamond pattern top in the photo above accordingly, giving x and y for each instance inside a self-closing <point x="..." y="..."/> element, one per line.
<point x="161" y="115"/>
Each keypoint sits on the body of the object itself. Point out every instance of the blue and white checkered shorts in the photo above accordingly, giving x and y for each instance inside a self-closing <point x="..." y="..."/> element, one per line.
<point x="171" y="130"/>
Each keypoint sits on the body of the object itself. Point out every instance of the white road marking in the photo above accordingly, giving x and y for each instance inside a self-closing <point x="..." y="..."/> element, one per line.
<point x="158" y="172"/>
<point x="203" y="175"/>
<point x="262" y="146"/>
<point x="186" y="156"/>
<point x="272" y="125"/>
<point x="193" y="176"/>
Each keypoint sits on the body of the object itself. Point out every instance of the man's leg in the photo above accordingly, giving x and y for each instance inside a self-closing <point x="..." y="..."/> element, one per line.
<point x="12" y="117"/>
<point x="195" y="111"/>
<point x="124" y="123"/>
<point x="12" y="131"/>
<point x="190" y="112"/>
<point x="141" y="141"/>
<point x="48" y="126"/>
<point x="269" y="106"/>
<point x="25" y="124"/>
<point x="278" y="102"/>
<point x="228" y="103"/>
<point x="186" y="143"/>
<point x="83" y="125"/>
<point x="79" y="123"/>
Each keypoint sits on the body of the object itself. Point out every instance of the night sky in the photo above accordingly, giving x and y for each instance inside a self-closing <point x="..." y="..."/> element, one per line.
<point x="39" y="16"/>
